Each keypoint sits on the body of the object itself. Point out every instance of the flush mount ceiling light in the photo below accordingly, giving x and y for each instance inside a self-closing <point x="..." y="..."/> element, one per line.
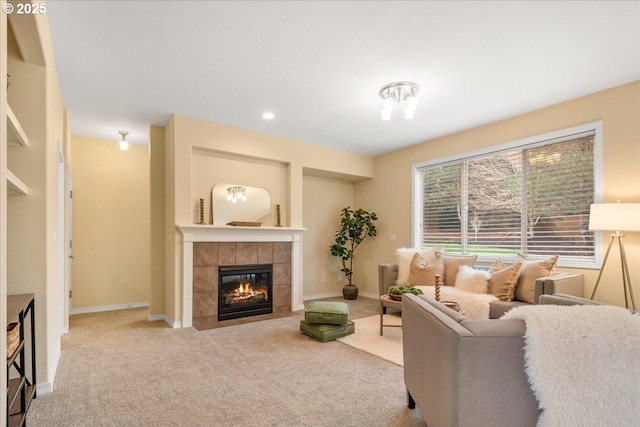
<point x="396" y="93"/>
<point x="236" y="193"/>
<point x="124" y="145"/>
<point x="268" y="115"/>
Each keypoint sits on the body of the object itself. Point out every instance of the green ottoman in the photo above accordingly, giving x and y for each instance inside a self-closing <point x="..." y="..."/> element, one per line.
<point x="326" y="332"/>
<point x="331" y="312"/>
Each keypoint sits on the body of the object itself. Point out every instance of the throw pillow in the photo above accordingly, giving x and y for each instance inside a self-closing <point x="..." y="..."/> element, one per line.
<point x="453" y="263"/>
<point x="404" y="256"/>
<point x="470" y="280"/>
<point x="503" y="280"/>
<point x="529" y="272"/>
<point x="422" y="272"/>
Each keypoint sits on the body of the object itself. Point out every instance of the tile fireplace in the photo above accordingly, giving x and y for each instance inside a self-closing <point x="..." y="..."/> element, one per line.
<point x="208" y="250"/>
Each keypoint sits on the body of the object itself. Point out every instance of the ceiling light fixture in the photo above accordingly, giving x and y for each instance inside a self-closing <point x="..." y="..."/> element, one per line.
<point x="236" y="193"/>
<point x="267" y="115"/>
<point x="124" y="145"/>
<point x="395" y="93"/>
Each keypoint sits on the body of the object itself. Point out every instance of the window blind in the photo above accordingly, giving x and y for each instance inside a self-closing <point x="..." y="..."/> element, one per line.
<point x="532" y="200"/>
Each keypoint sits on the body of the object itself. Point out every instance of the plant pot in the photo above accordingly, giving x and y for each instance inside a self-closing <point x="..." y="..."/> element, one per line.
<point x="350" y="292"/>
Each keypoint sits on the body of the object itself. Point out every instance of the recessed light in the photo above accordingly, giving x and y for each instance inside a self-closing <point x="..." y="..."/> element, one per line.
<point x="268" y="115"/>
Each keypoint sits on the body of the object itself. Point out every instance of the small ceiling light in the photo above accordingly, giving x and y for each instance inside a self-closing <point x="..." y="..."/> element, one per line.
<point x="267" y="115"/>
<point x="124" y="145"/>
<point x="396" y="93"/>
<point x="236" y="193"/>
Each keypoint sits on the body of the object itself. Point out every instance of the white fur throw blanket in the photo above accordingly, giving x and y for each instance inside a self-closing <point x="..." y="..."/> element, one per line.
<point x="583" y="364"/>
<point x="474" y="306"/>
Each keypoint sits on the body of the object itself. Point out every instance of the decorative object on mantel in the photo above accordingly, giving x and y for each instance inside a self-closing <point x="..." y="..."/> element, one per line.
<point x="244" y="224"/>
<point x="619" y="217"/>
<point x="355" y="226"/>
<point x="278" y="223"/>
<point x="202" y="212"/>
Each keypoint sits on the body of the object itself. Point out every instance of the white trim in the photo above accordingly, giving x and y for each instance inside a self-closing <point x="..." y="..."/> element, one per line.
<point x="166" y="319"/>
<point x="321" y="296"/>
<point x="109" y="308"/>
<point x="339" y="294"/>
<point x="44" y="388"/>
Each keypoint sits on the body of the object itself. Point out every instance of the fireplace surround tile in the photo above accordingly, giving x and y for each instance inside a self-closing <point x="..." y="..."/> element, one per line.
<point x="205" y="304"/>
<point x="281" y="252"/>
<point x="265" y="252"/>
<point x="205" y="254"/>
<point x="227" y="253"/>
<point x="246" y="253"/>
<point x="205" y="279"/>
<point x="205" y="276"/>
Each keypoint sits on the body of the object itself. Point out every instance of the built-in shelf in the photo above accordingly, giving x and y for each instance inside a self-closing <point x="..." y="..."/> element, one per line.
<point x="15" y="134"/>
<point x="15" y="186"/>
<point x="21" y="385"/>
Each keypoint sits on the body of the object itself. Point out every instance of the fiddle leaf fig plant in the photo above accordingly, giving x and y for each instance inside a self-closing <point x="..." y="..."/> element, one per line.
<point x="355" y="226"/>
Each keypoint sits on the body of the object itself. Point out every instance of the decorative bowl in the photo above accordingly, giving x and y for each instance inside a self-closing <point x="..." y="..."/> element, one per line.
<point x="395" y="297"/>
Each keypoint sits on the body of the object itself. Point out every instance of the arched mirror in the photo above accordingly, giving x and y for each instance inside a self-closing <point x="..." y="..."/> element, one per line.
<point x="232" y="203"/>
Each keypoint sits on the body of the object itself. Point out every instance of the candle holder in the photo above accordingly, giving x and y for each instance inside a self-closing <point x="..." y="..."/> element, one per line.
<point x="202" y="212"/>
<point x="278" y="219"/>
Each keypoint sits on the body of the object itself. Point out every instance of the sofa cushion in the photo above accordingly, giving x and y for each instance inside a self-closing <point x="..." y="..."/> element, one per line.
<point x="422" y="272"/>
<point x="471" y="280"/>
<point x="503" y="280"/>
<point x="529" y="272"/>
<point x="404" y="256"/>
<point x="453" y="263"/>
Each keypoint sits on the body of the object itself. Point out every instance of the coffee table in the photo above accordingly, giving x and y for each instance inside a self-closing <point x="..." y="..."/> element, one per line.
<point x="386" y="301"/>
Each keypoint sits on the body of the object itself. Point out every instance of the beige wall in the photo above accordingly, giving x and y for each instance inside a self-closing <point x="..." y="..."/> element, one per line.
<point x="323" y="199"/>
<point x="111" y="229"/>
<point x="389" y="193"/>
<point x="192" y="146"/>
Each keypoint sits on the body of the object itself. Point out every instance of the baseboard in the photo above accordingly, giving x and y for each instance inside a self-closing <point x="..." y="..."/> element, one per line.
<point x="320" y="296"/>
<point x="166" y="319"/>
<point x="108" y="308"/>
<point x="44" y="388"/>
<point x="338" y="294"/>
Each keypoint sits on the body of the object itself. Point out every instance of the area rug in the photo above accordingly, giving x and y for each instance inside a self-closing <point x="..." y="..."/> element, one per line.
<point x="368" y="339"/>
<point x="582" y="364"/>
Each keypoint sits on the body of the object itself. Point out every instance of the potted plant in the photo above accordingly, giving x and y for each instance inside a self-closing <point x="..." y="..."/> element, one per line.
<point x="355" y="226"/>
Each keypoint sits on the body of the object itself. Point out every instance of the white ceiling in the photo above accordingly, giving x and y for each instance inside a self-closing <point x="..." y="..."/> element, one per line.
<point x="124" y="65"/>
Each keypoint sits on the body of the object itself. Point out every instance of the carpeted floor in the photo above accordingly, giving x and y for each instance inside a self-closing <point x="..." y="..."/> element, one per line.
<point x="118" y="369"/>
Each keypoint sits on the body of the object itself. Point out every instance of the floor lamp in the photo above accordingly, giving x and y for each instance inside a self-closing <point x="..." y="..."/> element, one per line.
<point x="616" y="216"/>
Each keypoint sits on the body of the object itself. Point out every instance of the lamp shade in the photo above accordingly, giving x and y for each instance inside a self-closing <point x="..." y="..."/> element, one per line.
<point x="615" y="216"/>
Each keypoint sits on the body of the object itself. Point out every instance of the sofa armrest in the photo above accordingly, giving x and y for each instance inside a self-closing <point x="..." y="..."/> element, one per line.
<point x="387" y="276"/>
<point x="559" y="283"/>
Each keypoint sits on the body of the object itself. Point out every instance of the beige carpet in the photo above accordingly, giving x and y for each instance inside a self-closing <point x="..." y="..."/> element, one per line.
<point x="118" y="369"/>
<point x="368" y="339"/>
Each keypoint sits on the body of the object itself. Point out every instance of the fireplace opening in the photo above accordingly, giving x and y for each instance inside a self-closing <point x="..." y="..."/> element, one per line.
<point x="244" y="290"/>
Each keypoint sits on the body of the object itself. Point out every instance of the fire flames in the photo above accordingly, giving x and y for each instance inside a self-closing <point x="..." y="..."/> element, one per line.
<point x="245" y="292"/>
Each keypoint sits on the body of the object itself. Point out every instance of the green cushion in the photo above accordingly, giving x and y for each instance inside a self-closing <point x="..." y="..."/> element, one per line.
<point x="333" y="312"/>
<point x="325" y="332"/>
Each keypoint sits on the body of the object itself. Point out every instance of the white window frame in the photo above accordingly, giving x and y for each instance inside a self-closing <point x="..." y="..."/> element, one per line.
<point x="530" y="142"/>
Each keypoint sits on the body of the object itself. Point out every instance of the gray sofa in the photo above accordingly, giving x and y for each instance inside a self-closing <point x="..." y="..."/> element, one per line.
<point x="564" y="283"/>
<point x="464" y="372"/>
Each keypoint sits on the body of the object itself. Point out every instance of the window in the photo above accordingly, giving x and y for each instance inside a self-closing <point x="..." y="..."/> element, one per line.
<point x="530" y="197"/>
